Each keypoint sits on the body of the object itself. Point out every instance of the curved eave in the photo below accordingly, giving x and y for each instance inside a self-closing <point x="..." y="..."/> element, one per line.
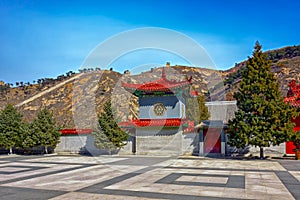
<point x="157" y="123"/>
<point x="161" y="84"/>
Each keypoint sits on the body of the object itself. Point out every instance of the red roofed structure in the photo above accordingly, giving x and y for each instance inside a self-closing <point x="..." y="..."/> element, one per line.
<point x="293" y="98"/>
<point x="159" y="87"/>
<point x="162" y="113"/>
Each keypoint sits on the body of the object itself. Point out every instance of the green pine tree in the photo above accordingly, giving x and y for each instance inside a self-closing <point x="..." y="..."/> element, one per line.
<point x="43" y="131"/>
<point x="30" y="140"/>
<point x="263" y="118"/>
<point x="196" y="109"/>
<point x="12" y="128"/>
<point x="109" y="135"/>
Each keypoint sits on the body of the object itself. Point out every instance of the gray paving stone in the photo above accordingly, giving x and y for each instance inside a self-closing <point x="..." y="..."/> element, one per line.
<point x="290" y="182"/>
<point x="156" y="195"/>
<point x="12" y="193"/>
<point x="144" y="161"/>
<point x="290" y="165"/>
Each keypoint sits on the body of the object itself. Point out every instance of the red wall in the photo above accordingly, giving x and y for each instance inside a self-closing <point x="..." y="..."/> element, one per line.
<point x="76" y="131"/>
<point x="290" y="145"/>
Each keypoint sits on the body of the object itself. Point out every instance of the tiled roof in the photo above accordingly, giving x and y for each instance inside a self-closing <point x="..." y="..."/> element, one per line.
<point x="176" y="122"/>
<point x="162" y="84"/>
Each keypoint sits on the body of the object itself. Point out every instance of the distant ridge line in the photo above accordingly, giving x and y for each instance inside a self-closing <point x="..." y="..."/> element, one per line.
<point x="48" y="90"/>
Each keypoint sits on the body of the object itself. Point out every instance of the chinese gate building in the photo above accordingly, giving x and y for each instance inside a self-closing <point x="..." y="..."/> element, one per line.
<point x="162" y="125"/>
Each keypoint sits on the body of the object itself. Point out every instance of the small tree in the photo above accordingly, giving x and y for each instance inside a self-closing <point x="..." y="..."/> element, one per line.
<point x="263" y="118"/>
<point x="204" y="114"/>
<point x="43" y="131"/>
<point x="12" y="128"/>
<point x="109" y="135"/>
<point x="196" y="109"/>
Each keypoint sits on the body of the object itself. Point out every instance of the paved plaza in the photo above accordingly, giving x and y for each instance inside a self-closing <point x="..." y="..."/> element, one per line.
<point x="115" y="177"/>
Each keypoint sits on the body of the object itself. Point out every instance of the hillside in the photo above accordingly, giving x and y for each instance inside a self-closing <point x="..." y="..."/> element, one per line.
<point x="285" y="63"/>
<point x="76" y="98"/>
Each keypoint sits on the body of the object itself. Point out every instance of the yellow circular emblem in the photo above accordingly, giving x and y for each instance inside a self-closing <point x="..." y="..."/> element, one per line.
<point x="159" y="109"/>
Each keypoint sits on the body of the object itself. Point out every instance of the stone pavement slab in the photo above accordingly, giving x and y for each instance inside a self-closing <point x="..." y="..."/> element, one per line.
<point x="120" y="177"/>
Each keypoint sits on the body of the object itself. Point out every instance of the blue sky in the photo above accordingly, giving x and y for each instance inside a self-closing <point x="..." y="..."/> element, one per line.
<point x="48" y="38"/>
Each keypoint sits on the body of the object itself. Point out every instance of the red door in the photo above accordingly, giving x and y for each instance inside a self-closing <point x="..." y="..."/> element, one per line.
<point x="212" y="140"/>
<point x="289" y="146"/>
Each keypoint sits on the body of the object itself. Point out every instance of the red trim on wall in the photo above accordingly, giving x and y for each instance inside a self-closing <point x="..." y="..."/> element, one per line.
<point x="74" y="131"/>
